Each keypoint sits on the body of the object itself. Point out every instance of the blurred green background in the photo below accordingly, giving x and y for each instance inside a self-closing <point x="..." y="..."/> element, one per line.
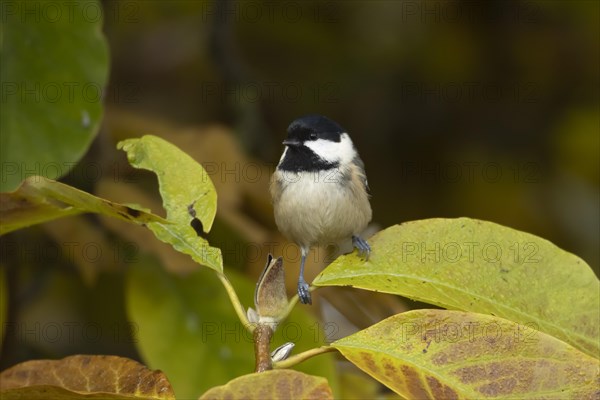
<point x="458" y="108"/>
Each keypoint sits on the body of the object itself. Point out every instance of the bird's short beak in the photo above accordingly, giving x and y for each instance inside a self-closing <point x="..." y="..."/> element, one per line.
<point x="291" y="142"/>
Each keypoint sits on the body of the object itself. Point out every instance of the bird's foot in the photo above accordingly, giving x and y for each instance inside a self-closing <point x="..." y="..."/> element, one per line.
<point x="364" y="250"/>
<point x="303" y="292"/>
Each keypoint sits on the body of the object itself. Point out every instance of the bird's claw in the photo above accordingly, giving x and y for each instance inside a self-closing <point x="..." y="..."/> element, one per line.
<point x="363" y="247"/>
<point x="304" y="293"/>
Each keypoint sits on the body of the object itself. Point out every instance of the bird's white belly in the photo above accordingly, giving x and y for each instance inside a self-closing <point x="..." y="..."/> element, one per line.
<point x="314" y="208"/>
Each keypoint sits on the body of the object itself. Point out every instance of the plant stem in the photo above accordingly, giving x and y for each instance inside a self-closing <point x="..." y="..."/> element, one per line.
<point x="298" y="358"/>
<point x="262" y="352"/>
<point x="235" y="301"/>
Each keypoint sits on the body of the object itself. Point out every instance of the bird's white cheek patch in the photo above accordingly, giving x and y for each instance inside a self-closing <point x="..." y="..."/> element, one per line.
<point x="342" y="151"/>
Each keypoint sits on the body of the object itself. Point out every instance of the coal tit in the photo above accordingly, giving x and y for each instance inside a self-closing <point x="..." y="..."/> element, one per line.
<point x="319" y="189"/>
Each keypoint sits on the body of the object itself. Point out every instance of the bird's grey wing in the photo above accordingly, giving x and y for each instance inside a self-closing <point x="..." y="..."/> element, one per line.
<point x="361" y="168"/>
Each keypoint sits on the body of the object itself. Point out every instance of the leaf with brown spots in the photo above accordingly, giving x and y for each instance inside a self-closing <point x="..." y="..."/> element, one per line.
<point x="441" y="354"/>
<point x="478" y="266"/>
<point x="84" y="377"/>
<point x="275" y="385"/>
<point x="39" y="199"/>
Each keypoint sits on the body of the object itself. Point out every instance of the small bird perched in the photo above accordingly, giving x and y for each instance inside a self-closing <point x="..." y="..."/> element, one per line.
<point x="319" y="189"/>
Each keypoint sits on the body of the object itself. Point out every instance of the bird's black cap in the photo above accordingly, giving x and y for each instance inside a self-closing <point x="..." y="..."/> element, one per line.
<point x="299" y="157"/>
<point x="314" y="126"/>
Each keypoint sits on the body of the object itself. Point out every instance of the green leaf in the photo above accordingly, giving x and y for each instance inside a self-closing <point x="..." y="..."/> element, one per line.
<point x="53" y="66"/>
<point x="182" y="181"/>
<point x="39" y="200"/>
<point x="188" y="328"/>
<point x="483" y="267"/>
<point x="84" y="377"/>
<point x="184" y="240"/>
<point x="441" y="354"/>
<point x="188" y="194"/>
<point x="277" y="384"/>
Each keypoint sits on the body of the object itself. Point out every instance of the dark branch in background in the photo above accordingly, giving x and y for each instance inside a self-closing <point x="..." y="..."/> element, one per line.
<point x="247" y="117"/>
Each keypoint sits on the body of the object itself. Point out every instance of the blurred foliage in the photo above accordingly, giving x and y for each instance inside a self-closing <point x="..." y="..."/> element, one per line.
<point x="485" y="109"/>
<point x="54" y="63"/>
<point x="3" y="305"/>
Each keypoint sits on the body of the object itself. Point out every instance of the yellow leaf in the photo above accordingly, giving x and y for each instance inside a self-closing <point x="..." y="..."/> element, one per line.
<point x="482" y="267"/>
<point x="275" y="385"/>
<point x="441" y="354"/>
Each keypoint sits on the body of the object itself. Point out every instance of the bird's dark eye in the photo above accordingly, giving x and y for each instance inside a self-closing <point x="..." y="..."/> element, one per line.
<point x="313" y="136"/>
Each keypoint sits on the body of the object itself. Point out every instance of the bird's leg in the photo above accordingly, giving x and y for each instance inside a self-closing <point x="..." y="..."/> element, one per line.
<point x="303" y="292"/>
<point x="361" y="244"/>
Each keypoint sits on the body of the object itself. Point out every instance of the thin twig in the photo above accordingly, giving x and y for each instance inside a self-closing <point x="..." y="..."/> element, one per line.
<point x="298" y="358"/>
<point x="235" y="301"/>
